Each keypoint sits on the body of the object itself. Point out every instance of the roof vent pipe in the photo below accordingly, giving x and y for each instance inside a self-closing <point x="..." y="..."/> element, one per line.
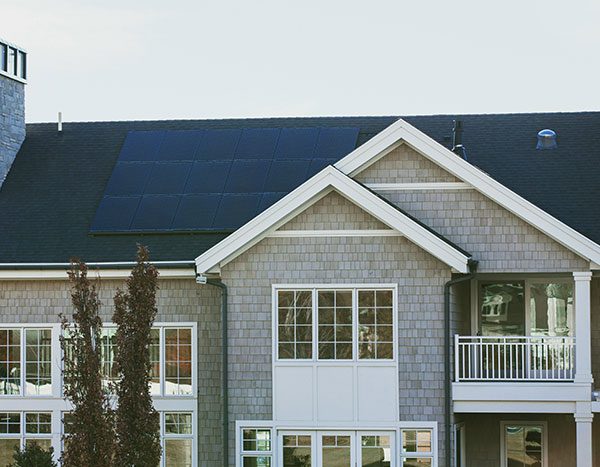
<point x="546" y="139"/>
<point x="59" y="121"/>
<point x="457" y="146"/>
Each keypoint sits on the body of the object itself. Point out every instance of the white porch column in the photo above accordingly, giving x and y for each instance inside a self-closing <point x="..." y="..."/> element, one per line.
<point x="583" y="338"/>
<point x="583" y="423"/>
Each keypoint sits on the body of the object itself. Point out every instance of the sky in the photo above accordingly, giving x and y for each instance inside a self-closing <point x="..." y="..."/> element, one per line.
<point x="182" y="59"/>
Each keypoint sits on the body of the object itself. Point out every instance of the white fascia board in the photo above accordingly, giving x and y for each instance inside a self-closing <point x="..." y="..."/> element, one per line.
<point x="402" y="131"/>
<point x="61" y="274"/>
<point x="324" y="182"/>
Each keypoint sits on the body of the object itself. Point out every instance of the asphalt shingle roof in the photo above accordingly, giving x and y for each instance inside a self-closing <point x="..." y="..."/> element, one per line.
<point x="53" y="189"/>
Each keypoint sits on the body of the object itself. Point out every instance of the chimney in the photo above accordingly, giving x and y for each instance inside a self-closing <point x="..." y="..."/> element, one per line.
<point x="13" y="77"/>
<point x="457" y="144"/>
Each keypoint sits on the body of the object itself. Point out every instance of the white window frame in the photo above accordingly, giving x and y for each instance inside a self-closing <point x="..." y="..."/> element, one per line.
<point x="505" y="423"/>
<point x="277" y="432"/>
<point x="315" y="288"/>
<point x="23" y="436"/>
<point x="20" y="54"/>
<point x="164" y="436"/>
<point x="162" y="327"/>
<point x="56" y="359"/>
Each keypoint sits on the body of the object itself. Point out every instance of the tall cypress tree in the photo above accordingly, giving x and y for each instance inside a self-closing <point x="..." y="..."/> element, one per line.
<point x="90" y="440"/>
<point x="137" y="422"/>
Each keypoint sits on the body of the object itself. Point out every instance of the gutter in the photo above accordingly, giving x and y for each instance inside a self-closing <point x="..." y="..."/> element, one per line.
<point x="448" y="357"/>
<point x="201" y="279"/>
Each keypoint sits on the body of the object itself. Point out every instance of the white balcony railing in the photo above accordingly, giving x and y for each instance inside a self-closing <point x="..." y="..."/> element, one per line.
<point x="527" y="358"/>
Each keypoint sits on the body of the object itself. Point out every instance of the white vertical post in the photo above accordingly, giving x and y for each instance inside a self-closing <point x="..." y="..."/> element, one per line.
<point x="583" y="341"/>
<point x="583" y="423"/>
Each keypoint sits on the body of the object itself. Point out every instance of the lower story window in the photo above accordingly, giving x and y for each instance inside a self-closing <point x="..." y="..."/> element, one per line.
<point x="256" y="447"/>
<point x="336" y="448"/>
<point x="18" y="429"/>
<point x="178" y="440"/>
<point x="523" y="444"/>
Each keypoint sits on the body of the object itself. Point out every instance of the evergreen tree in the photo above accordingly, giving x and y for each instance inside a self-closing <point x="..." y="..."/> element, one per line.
<point x="90" y="441"/>
<point x="137" y="422"/>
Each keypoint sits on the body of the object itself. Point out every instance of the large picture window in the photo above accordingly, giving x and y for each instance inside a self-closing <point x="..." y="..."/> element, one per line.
<point x="351" y="324"/>
<point x="25" y="361"/>
<point x="170" y="359"/>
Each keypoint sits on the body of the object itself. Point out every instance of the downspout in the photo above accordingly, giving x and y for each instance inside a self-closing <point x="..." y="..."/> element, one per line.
<point x="448" y="356"/>
<point x="224" y="363"/>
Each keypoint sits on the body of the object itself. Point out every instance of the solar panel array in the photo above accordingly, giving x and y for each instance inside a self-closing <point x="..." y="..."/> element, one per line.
<point x="211" y="180"/>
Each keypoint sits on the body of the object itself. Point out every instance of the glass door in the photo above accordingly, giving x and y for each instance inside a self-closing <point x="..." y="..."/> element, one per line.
<point x="376" y="449"/>
<point x="336" y="449"/>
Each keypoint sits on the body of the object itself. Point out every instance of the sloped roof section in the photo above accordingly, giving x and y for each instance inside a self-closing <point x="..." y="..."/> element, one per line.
<point x="309" y="192"/>
<point x="53" y="189"/>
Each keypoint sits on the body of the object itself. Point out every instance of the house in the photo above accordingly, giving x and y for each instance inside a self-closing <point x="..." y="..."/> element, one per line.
<point x="377" y="291"/>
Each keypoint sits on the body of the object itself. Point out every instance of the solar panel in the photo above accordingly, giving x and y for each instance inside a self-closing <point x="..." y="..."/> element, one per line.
<point x="168" y="178"/>
<point x="211" y="179"/>
<point x="155" y="212"/>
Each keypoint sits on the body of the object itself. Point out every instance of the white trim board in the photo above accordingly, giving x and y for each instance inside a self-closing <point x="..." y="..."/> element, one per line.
<point x="61" y="274"/>
<point x="402" y="132"/>
<point x="323" y="183"/>
<point x="334" y="233"/>
<point x="420" y="186"/>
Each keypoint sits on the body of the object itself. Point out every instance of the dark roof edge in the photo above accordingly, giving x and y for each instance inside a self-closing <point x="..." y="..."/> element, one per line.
<point x="101" y="265"/>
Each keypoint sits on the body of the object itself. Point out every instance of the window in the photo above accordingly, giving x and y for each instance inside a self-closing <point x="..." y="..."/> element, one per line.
<point x="523" y="444"/>
<point x="551" y="308"/>
<point x="178" y="440"/>
<point x="171" y="360"/>
<point x="376" y="451"/>
<point x="297" y="450"/>
<point x="336" y="450"/>
<point x="375" y="324"/>
<point x="417" y="448"/>
<point x="12" y="61"/>
<point x="18" y="429"/>
<point x="256" y="447"/>
<point x="352" y="324"/>
<point x="22" y="65"/>
<point x="295" y="324"/>
<point x="3" y="57"/>
<point x="33" y="347"/>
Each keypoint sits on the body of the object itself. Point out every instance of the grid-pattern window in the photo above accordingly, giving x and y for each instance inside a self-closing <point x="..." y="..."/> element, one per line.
<point x="13" y="61"/>
<point x="178" y="361"/>
<point x="256" y="447"/>
<point x="297" y="450"/>
<point x="375" y="324"/>
<point x="38" y="361"/>
<point x="18" y="429"/>
<point x="108" y="344"/>
<point x="10" y="361"/>
<point x="178" y="441"/>
<point x="417" y="448"/>
<point x="294" y="324"/>
<point x="335" y="324"/>
<point x="375" y="450"/>
<point x="351" y="324"/>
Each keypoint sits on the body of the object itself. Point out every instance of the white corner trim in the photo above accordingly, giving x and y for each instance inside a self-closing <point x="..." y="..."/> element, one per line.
<point x="315" y="188"/>
<point x="334" y="233"/>
<point x="419" y="186"/>
<point x="401" y="131"/>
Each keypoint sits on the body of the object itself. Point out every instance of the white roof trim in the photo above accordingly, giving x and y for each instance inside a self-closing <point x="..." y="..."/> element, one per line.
<point x="315" y="188"/>
<point x="401" y="131"/>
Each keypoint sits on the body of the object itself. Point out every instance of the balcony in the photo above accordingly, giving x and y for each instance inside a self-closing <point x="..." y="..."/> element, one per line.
<point x="514" y="359"/>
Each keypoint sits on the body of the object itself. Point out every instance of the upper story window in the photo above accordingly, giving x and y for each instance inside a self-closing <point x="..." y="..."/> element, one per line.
<point x="13" y="61"/>
<point x="335" y="324"/>
<point x="171" y="360"/>
<point x="531" y="307"/>
<point x="25" y="361"/>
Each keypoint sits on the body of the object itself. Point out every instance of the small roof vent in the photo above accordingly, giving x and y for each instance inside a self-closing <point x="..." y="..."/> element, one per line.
<point x="546" y="139"/>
